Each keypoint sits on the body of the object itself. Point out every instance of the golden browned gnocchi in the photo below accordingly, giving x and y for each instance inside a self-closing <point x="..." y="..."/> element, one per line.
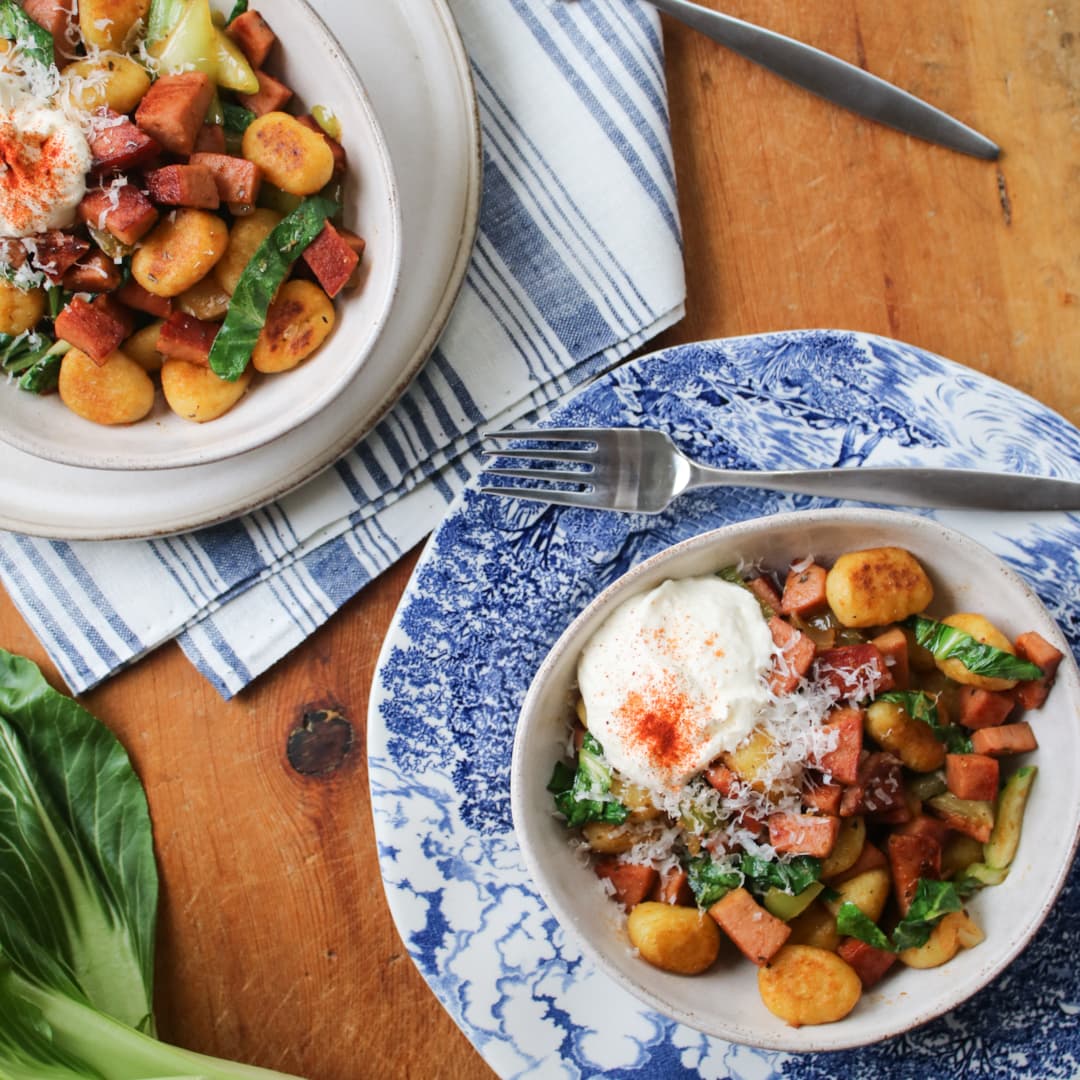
<point x="142" y="346"/>
<point x="804" y="985"/>
<point x="912" y="741"/>
<point x="815" y="926"/>
<point x="868" y="891"/>
<point x="20" y="309"/>
<point x="107" y="24"/>
<point x="196" y="393"/>
<point x="246" y="235"/>
<point x="847" y="849"/>
<point x="298" y="322"/>
<point x="180" y="251"/>
<point x="293" y="157"/>
<point x="955" y="932"/>
<point x="877" y="586"/>
<point x="678" y="939"/>
<point x="117" y="391"/>
<point x="984" y="631"/>
<point x="109" y="80"/>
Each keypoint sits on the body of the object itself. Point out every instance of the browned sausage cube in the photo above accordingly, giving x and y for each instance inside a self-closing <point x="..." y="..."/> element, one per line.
<point x="58" y="17"/>
<point x="912" y="856"/>
<point x="117" y="144"/>
<point x="133" y="295"/>
<point x="95" y="272"/>
<point x="183" y="337"/>
<point x="56" y="252"/>
<point x="803" y="834"/>
<point x="271" y="96"/>
<point x="96" y="328"/>
<point x="758" y="934"/>
<point x="870" y="964"/>
<point x="123" y="211"/>
<point x="631" y="881"/>
<point x="1007" y="739"/>
<point x="184" y="185"/>
<point x="173" y="110"/>
<point x="804" y="592"/>
<point x="237" y="180"/>
<point x="332" y="260"/>
<point x="253" y="34"/>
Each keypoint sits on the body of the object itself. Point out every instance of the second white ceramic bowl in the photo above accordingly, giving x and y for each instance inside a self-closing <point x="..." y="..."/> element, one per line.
<point x="309" y="60"/>
<point x="725" y="1000"/>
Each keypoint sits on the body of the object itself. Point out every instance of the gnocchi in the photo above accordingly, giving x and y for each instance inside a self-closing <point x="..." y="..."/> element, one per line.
<point x="678" y="939"/>
<point x="179" y="252"/>
<point x="877" y="586"/>
<point x="805" y="985"/>
<point x="117" y="391"/>
<point x="293" y="157"/>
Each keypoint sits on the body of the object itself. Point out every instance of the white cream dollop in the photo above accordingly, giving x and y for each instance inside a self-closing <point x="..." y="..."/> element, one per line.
<point x="44" y="159"/>
<point x="674" y="677"/>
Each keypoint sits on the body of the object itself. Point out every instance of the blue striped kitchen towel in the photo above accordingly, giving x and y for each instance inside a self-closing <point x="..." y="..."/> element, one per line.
<point x="577" y="86"/>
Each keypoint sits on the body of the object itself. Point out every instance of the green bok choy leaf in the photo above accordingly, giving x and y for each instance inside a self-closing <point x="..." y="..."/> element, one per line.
<point x="78" y="906"/>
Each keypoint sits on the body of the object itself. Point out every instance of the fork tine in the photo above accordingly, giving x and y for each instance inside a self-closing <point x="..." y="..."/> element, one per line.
<point x="578" y="456"/>
<point x="546" y="434"/>
<point x="556" y="476"/>
<point x="546" y="495"/>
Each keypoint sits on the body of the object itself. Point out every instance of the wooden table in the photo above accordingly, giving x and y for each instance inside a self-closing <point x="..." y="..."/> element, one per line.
<point x="276" y="945"/>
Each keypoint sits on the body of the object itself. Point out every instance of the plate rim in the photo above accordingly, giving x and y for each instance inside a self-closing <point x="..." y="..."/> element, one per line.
<point x="19" y="518"/>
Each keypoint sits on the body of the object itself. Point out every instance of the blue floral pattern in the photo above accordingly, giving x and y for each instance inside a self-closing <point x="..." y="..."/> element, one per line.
<point x="499" y="582"/>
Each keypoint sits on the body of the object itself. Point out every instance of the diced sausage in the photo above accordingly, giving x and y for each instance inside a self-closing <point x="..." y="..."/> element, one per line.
<point x="1037" y="650"/>
<point x="173" y="110"/>
<point x="972" y="776"/>
<point x="804" y="592"/>
<point x="894" y="647"/>
<point x="132" y="294"/>
<point x="721" y="778"/>
<point x="842" y="763"/>
<point x="125" y="212"/>
<point x="271" y="96"/>
<point x="183" y="337"/>
<point x="96" y="328"/>
<point x="116" y="144"/>
<point x="855" y="672"/>
<point x="632" y="881"/>
<point x="878" y="788"/>
<point x="912" y="856"/>
<point x="253" y="34"/>
<point x="331" y="259"/>
<point x="184" y="185"/>
<point x="237" y="180"/>
<point x="1032" y="693"/>
<point x="765" y="591"/>
<point x="925" y="825"/>
<point x="55" y="252"/>
<point x="825" y="798"/>
<point x="1007" y="739"/>
<point x="58" y="17"/>
<point x="674" y="888"/>
<point x="870" y="964"/>
<point x="757" y="933"/>
<point x="979" y="708"/>
<point x="797" y="653"/>
<point x="94" y="272"/>
<point x="803" y="834"/>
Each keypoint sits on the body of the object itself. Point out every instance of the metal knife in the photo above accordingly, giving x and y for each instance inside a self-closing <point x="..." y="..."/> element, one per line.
<point x="832" y="78"/>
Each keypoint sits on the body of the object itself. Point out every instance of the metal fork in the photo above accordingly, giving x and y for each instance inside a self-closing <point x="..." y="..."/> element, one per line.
<point x="642" y="470"/>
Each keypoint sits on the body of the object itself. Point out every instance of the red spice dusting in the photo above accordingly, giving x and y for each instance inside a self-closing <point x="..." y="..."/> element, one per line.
<point x="32" y="167"/>
<point x="659" y="717"/>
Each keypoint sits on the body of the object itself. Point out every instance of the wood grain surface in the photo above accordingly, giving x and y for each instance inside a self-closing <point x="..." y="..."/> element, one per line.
<point x="276" y="946"/>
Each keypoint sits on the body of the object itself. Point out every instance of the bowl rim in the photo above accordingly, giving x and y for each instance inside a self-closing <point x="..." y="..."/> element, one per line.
<point x="809" y="1040"/>
<point x="109" y="460"/>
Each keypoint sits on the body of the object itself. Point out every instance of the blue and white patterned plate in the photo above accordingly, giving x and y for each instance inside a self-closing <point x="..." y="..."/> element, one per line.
<point x="499" y="582"/>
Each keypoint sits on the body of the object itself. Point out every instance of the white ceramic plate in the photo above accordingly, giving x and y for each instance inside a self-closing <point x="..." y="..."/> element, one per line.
<point x="417" y="75"/>
<point x="275" y="404"/>
<point x="501" y="580"/>
<point x="724" y="1001"/>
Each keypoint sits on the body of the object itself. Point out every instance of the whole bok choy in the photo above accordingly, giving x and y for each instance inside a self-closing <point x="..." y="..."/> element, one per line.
<point x="78" y="899"/>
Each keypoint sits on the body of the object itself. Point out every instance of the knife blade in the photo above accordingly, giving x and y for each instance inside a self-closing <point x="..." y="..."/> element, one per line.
<point x="834" y="79"/>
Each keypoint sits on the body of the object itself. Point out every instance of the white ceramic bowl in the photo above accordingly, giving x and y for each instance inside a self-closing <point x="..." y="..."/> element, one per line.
<point x="725" y="1000"/>
<point x="308" y="59"/>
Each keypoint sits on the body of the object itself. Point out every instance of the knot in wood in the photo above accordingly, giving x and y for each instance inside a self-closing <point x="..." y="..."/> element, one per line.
<point x="320" y="745"/>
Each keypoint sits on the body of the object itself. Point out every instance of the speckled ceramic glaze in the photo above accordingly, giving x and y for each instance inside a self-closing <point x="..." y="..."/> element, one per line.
<point x="502" y="580"/>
